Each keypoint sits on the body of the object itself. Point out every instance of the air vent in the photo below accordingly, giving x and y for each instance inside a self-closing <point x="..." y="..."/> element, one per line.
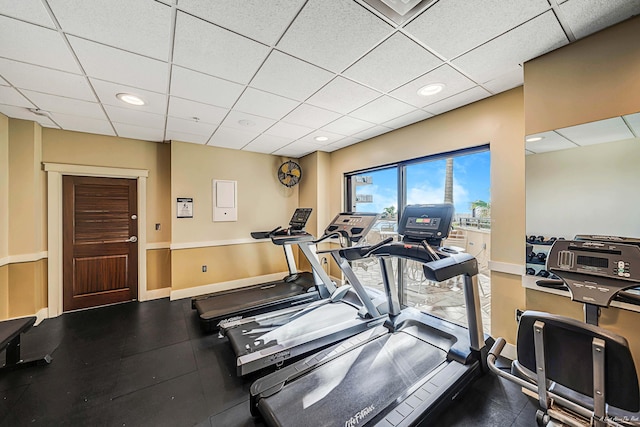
<point x="399" y="11"/>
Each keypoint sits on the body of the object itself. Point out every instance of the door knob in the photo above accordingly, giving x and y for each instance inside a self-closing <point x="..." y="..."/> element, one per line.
<point x="132" y="239"/>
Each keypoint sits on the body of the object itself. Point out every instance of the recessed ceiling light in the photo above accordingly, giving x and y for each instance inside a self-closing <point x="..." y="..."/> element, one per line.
<point x="321" y="138"/>
<point x="534" y="138"/>
<point x="431" y="89"/>
<point x="244" y="122"/>
<point x="130" y="98"/>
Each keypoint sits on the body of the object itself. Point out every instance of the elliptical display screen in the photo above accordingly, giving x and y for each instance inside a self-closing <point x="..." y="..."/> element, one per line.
<point x="426" y="222"/>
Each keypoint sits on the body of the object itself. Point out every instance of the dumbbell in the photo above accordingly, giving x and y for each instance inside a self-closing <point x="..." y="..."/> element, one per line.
<point x="530" y="271"/>
<point x="543" y="273"/>
<point x="541" y="256"/>
<point x="531" y="256"/>
<point x="531" y="239"/>
<point x="540" y="239"/>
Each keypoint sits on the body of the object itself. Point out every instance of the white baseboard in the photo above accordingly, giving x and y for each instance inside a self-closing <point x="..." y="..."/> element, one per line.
<point x="42" y="314"/>
<point x="224" y="286"/>
<point x="157" y="294"/>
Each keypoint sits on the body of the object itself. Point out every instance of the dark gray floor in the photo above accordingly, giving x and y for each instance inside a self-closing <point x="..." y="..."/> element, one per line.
<point x="148" y="364"/>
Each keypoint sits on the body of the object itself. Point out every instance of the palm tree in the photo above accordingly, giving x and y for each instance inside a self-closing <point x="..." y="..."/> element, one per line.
<point x="448" y="181"/>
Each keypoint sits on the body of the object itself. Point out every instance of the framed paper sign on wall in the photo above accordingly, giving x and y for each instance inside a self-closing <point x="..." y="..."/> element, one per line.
<point x="184" y="207"/>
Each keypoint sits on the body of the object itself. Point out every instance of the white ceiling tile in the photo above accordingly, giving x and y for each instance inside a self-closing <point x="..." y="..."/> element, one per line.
<point x="154" y="102"/>
<point x="139" y="26"/>
<point x="589" y="16"/>
<point x="35" y="45"/>
<point x="118" y="66"/>
<point x="46" y="80"/>
<point x="311" y="138"/>
<point x="394" y="62"/>
<point x="510" y="79"/>
<point x="186" y="109"/>
<point x="467" y="97"/>
<point x="344" y="142"/>
<point x="59" y="104"/>
<point x="24" y="114"/>
<point x="172" y="135"/>
<point x="407" y="119"/>
<point x="287" y="130"/>
<point x="382" y="110"/>
<point x="175" y="124"/>
<point x="454" y="81"/>
<point x="297" y="149"/>
<point x="254" y="101"/>
<point x="343" y="96"/>
<point x="534" y="38"/>
<point x="203" y="88"/>
<point x="83" y="124"/>
<point x="290" y="77"/>
<point x="231" y="138"/>
<point x="27" y="10"/>
<point x="550" y="141"/>
<point x="126" y="130"/>
<point x="138" y="118"/>
<point x="256" y="19"/>
<point x="266" y="144"/>
<point x="205" y="47"/>
<point x="247" y="122"/>
<point x="372" y="132"/>
<point x="633" y="120"/>
<point x="599" y="132"/>
<point x="10" y="96"/>
<point x="346" y="125"/>
<point x="455" y="26"/>
<point x="342" y="31"/>
<point x="310" y="116"/>
<point x="3" y="82"/>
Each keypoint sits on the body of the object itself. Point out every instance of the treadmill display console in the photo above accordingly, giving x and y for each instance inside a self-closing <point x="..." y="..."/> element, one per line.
<point x="300" y="218"/>
<point x="426" y="222"/>
<point x="351" y="225"/>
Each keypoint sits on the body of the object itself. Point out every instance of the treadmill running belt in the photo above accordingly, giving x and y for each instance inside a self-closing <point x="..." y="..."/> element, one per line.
<point x="359" y="384"/>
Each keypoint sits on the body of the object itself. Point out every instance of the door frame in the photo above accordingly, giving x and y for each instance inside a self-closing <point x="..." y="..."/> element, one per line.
<point x="55" y="171"/>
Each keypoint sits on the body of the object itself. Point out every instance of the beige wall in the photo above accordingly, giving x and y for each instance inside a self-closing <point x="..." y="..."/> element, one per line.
<point x="592" y="79"/>
<point x="263" y="204"/>
<point x="4" y="187"/>
<point x="498" y="121"/>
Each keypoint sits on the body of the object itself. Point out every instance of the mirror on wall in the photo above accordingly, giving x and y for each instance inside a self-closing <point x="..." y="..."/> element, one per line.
<point x="583" y="180"/>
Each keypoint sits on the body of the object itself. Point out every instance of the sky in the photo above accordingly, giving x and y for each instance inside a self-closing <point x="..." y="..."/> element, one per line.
<point x="425" y="183"/>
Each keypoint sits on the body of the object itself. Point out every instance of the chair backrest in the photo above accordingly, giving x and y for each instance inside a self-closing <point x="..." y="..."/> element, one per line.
<point x="569" y="361"/>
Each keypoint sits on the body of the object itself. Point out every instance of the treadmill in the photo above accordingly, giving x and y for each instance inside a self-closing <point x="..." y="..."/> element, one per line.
<point x="403" y="373"/>
<point x="273" y="338"/>
<point x="297" y="288"/>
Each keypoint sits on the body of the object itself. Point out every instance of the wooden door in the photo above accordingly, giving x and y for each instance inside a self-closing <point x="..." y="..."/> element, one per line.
<point x="100" y="249"/>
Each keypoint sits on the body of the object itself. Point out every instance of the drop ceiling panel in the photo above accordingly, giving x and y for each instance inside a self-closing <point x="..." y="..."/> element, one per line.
<point x="138" y="132"/>
<point x="534" y="38"/>
<point x="186" y="109"/>
<point x="24" y="114"/>
<point x="59" y="104"/>
<point x="290" y="77"/>
<point x="454" y="81"/>
<point x="175" y="124"/>
<point x="232" y="138"/>
<point x="254" y="101"/>
<point x="247" y="122"/>
<point x="311" y="138"/>
<point x="453" y="27"/>
<point x="310" y="116"/>
<point x="345" y="142"/>
<point x="346" y="125"/>
<point x="35" y="45"/>
<point x="10" y="96"/>
<point x="297" y="149"/>
<point x="27" y="10"/>
<point x="264" y="21"/>
<point x="154" y="102"/>
<point x="382" y="110"/>
<point x="467" y="97"/>
<point x="343" y="96"/>
<point x="200" y="87"/>
<point x="138" y="118"/>
<point x="83" y="124"/>
<point x="205" y="47"/>
<point x="599" y="132"/>
<point x="138" y="26"/>
<point x="172" y="135"/>
<point x="266" y="144"/>
<point x="509" y="80"/>
<point x="407" y="119"/>
<point x="588" y="16"/>
<point x="391" y="64"/>
<point x="550" y="141"/>
<point x="3" y="82"/>
<point x="118" y="66"/>
<point x="46" y="80"/>
<point x="342" y="30"/>
<point x="633" y="121"/>
<point x="287" y="130"/>
<point x="372" y="132"/>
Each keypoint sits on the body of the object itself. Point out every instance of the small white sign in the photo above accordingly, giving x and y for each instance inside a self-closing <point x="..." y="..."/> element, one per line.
<point x="185" y="207"/>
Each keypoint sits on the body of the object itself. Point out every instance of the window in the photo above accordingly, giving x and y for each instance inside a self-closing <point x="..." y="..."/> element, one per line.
<point x="461" y="178"/>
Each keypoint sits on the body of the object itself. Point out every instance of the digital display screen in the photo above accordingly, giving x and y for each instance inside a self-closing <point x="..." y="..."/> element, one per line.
<point x="423" y="220"/>
<point x="593" y="261"/>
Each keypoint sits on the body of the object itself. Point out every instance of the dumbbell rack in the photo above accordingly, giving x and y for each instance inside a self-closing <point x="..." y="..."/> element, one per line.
<point x="537" y="263"/>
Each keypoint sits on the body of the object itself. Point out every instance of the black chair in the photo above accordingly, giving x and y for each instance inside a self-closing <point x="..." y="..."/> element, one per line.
<point x="581" y="374"/>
